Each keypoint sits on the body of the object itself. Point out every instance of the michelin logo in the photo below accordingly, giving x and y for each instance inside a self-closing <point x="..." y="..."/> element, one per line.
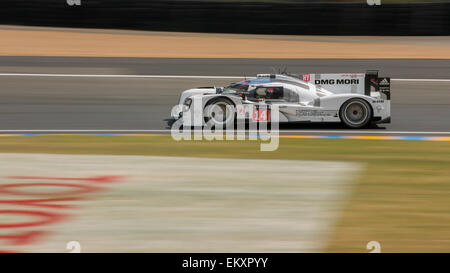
<point x="315" y="113"/>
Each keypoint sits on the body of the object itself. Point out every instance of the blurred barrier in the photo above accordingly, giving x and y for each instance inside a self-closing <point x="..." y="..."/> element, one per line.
<point x="120" y="203"/>
<point x="234" y="17"/>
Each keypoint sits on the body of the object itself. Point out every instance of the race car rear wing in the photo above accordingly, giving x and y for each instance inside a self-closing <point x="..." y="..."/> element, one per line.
<point x="382" y="85"/>
<point x="360" y="83"/>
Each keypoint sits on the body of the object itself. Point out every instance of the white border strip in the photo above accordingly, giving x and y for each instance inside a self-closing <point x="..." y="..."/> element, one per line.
<point x="281" y="131"/>
<point x="170" y="76"/>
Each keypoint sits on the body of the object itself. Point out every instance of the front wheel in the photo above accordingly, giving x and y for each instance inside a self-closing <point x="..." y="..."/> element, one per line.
<point x="356" y="113"/>
<point x="219" y="112"/>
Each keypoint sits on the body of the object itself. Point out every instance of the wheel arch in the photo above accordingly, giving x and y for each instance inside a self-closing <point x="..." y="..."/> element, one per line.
<point x="213" y="100"/>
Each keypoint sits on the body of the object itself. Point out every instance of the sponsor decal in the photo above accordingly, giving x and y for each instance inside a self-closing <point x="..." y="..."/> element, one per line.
<point x="384" y="86"/>
<point x="338" y="81"/>
<point x="306" y="77"/>
<point x="315" y="113"/>
<point x="385" y="82"/>
<point x="350" y="75"/>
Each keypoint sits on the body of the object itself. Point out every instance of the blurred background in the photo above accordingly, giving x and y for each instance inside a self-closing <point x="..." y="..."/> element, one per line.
<point x="331" y="17"/>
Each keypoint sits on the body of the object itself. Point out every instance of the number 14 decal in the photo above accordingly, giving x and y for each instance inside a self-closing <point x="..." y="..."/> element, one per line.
<point x="261" y="115"/>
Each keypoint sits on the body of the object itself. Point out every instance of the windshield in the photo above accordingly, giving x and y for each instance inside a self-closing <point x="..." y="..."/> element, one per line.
<point x="236" y="88"/>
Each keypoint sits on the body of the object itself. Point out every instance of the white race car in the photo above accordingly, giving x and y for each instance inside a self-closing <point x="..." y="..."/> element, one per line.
<point x="355" y="99"/>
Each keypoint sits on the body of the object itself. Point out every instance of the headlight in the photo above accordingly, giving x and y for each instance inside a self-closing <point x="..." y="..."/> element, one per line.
<point x="187" y="104"/>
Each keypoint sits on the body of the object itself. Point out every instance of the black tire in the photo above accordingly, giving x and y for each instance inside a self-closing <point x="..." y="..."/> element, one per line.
<point x="356" y="113"/>
<point x="216" y="106"/>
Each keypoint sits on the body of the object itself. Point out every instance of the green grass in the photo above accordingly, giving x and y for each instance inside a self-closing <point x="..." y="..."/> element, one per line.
<point x="402" y="199"/>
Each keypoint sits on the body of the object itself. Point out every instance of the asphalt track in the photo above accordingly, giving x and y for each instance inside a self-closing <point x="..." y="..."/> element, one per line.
<point x="135" y="104"/>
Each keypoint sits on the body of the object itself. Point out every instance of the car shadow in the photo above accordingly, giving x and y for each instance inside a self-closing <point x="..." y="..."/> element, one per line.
<point x="323" y="126"/>
<point x="305" y="126"/>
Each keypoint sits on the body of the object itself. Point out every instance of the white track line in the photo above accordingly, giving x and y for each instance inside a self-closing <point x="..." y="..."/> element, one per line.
<point x="422" y="80"/>
<point x="121" y="76"/>
<point x="281" y="131"/>
<point x="170" y="76"/>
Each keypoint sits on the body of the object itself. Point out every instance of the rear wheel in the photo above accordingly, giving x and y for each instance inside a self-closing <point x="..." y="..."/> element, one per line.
<point x="356" y="113"/>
